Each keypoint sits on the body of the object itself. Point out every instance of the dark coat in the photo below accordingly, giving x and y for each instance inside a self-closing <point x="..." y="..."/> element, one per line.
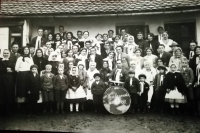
<point x="33" y="41"/>
<point x="60" y="84"/>
<point x="40" y="62"/>
<point x="193" y="65"/>
<point x="14" y="57"/>
<point x="54" y="64"/>
<point x="98" y="89"/>
<point x="104" y="54"/>
<point x="188" y="75"/>
<point x="142" y="45"/>
<point x="7" y="82"/>
<point x="157" y="82"/>
<point x="124" y="74"/>
<point x="173" y="80"/>
<point x="33" y="83"/>
<point x="98" y="60"/>
<point x="134" y="88"/>
<point x="155" y="44"/>
<point x="103" y="73"/>
<point x="144" y="96"/>
<point x="165" y="57"/>
<point x="74" y="81"/>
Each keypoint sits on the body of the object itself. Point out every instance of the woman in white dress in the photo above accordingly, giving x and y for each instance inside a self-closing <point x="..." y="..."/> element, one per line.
<point x="150" y="57"/>
<point x="131" y="46"/>
<point x="173" y="83"/>
<point x="91" y="71"/>
<point x="134" y="68"/>
<point x="166" y="41"/>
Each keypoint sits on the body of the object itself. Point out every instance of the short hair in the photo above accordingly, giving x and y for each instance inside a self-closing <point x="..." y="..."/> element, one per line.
<point x="14" y="43"/>
<point x="119" y="60"/>
<point x="86" y="31"/>
<point x="98" y="35"/>
<point x="148" y="48"/>
<point x="162" y="45"/>
<point x="34" y="66"/>
<point x="140" y="32"/>
<point x="138" y="49"/>
<point x="111" y="31"/>
<point x="123" y="29"/>
<point x="131" y="72"/>
<point x="120" y="47"/>
<point x="133" y="61"/>
<point x="48" y="66"/>
<point x="88" y="42"/>
<point x="160" y="27"/>
<point x="151" y="34"/>
<point x="61" y="26"/>
<point x="147" y="62"/>
<point x="194" y="42"/>
<point x="105" y="34"/>
<point x="40" y="28"/>
<point x="92" y="63"/>
<point x="79" y="31"/>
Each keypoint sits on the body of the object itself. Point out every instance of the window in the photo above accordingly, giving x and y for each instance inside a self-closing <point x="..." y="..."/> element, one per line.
<point x="183" y="33"/>
<point x="16" y="35"/>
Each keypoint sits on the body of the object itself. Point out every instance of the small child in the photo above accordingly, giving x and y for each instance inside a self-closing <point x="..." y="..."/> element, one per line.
<point x="47" y="86"/>
<point x="33" y="88"/>
<point x="48" y="48"/>
<point x="61" y="83"/>
<point x="188" y="77"/>
<point x="98" y="88"/>
<point x="133" y="87"/>
<point x="143" y="95"/>
<point x="53" y="61"/>
<point x="159" y="90"/>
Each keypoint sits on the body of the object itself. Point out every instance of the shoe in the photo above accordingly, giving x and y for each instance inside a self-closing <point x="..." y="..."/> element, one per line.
<point x="77" y="110"/>
<point x="71" y="110"/>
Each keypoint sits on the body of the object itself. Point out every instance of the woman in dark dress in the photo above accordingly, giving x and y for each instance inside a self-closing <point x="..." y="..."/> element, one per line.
<point x="39" y="60"/>
<point x="105" y="73"/>
<point x="153" y="43"/>
<point x="7" y="82"/>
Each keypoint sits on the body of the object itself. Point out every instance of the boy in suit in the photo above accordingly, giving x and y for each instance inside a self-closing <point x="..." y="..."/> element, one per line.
<point x="143" y="95"/>
<point x="98" y="88"/>
<point x="133" y="87"/>
<point x="159" y="90"/>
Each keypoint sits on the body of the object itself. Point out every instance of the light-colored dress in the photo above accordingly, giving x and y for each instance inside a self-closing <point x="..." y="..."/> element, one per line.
<point x="152" y="59"/>
<point x="139" y="61"/>
<point x="130" y="49"/>
<point x="177" y="61"/>
<point x="167" y="44"/>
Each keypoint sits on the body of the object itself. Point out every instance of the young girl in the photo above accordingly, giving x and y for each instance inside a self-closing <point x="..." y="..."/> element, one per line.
<point x="110" y="59"/>
<point x="91" y="71"/>
<point x="51" y="40"/>
<point x="83" y="56"/>
<point x="61" y="84"/>
<point x="68" y="68"/>
<point x="150" y="57"/>
<point x="53" y="61"/>
<point x="69" y="57"/>
<point x="75" y="94"/>
<point x="33" y="88"/>
<point x="22" y="66"/>
<point x="174" y="85"/>
<point x="49" y="47"/>
<point x="98" y="88"/>
<point x="131" y="46"/>
<point x="177" y="58"/>
<point x="83" y="78"/>
<point x="47" y="86"/>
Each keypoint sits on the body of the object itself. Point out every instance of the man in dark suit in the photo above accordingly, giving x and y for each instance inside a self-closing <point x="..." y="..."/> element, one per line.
<point x="14" y="55"/>
<point x="106" y="50"/>
<point x="173" y="47"/>
<point x="118" y="74"/>
<point x="160" y="31"/>
<point x="39" y="40"/>
<point x="142" y="43"/>
<point x="62" y="31"/>
<point x="93" y="57"/>
<point x="190" y="53"/>
<point x="165" y="56"/>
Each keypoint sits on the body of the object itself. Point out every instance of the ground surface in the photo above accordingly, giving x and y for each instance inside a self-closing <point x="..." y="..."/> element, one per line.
<point x="105" y="123"/>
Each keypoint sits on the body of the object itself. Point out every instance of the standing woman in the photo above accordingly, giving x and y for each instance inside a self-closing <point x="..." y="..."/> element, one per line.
<point x="7" y="81"/>
<point x="105" y="73"/>
<point x="22" y="66"/>
<point x="117" y="42"/>
<point x="177" y="58"/>
<point x="69" y="57"/>
<point x="75" y="93"/>
<point x="58" y="40"/>
<point x="153" y="43"/>
<point x="150" y="57"/>
<point x="173" y="84"/>
<point x="111" y="60"/>
<point x="39" y="60"/>
<point x="138" y="59"/>
<point x="50" y="40"/>
<point x="131" y="46"/>
<point x="166" y="41"/>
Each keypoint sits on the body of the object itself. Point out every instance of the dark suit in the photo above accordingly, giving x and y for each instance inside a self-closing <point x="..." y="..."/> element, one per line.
<point x="155" y="44"/>
<point x="98" y="60"/>
<point x="104" y="54"/>
<point x="43" y="41"/>
<point x="142" y="99"/>
<point x="165" y="57"/>
<point x="124" y="74"/>
<point x="143" y="45"/>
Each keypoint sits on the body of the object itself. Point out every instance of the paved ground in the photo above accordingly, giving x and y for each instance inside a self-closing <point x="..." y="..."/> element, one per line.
<point x="105" y="123"/>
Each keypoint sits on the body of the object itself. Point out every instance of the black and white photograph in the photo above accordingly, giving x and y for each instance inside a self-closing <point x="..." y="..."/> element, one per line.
<point x="98" y="66"/>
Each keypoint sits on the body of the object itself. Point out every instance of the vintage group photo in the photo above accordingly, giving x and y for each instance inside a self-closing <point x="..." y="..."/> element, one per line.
<point x="100" y="65"/>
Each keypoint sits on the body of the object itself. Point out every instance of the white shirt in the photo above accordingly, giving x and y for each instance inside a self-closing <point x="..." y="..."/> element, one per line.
<point x="191" y="54"/>
<point x="141" y="87"/>
<point x="118" y="57"/>
<point x="118" y="73"/>
<point x="131" y="80"/>
<point x="161" y="79"/>
<point x="97" y="82"/>
<point x="23" y="66"/>
<point x="61" y="76"/>
<point x="161" y="54"/>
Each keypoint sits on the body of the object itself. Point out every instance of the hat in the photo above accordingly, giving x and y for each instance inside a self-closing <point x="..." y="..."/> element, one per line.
<point x="131" y="72"/>
<point x="97" y="74"/>
<point x="33" y="66"/>
<point x="174" y="44"/>
<point x="162" y="67"/>
<point x="142" y="75"/>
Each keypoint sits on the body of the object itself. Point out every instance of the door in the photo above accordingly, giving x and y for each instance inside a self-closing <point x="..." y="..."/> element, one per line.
<point x="4" y="38"/>
<point x="182" y="33"/>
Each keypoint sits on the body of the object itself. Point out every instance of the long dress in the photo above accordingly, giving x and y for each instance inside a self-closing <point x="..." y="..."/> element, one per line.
<point x="90" y="81"/>
<point x="7" y="82"/>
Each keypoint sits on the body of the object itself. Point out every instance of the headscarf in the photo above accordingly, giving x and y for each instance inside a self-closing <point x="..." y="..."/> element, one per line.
<point x="25" y="55"/>
<point x="133" y="40"/>
<point x="35" y="56"/>
<point x="173" y="64"/>
<point x="50" y="56"/>
<point x="8" y="55"/>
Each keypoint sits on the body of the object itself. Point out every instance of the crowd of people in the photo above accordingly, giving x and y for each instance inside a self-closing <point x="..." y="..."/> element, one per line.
<point x="59" y="68"/>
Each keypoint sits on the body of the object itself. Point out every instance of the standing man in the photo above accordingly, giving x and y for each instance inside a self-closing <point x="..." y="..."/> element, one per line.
<point x="123" y="33"/>
<point x="110" y="35"/>
<point x="14" y="55"/>
<point x="62" y="32"/>
<point x="160" y="31"/>
<point x="38" y="41"/>
<point x="80" y="38"/>
<point x="142" y="43"/>
<point x="190" y="53"/>
<point x="164" y="56"/>
<point x="106" y="50"/>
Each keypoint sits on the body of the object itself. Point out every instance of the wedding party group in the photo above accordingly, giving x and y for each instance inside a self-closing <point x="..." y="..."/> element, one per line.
<point x="55" y="69"/>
